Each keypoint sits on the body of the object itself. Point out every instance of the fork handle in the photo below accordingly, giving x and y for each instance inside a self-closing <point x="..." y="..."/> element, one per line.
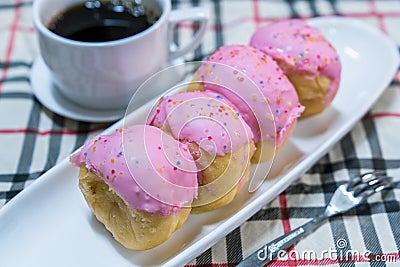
<point x="269" y="251"/>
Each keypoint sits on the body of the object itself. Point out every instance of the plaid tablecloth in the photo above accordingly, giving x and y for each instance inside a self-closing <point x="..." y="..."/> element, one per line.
<point x="33" y="139"/>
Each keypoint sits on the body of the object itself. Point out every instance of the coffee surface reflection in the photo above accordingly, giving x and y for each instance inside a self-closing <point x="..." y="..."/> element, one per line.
<point x="102" y="21"/>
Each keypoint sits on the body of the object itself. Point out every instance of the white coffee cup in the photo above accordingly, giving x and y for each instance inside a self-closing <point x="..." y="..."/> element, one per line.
<point x="104" y="75"/>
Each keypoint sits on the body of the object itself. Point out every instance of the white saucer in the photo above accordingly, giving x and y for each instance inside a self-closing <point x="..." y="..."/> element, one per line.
<point x="47" y="94"/>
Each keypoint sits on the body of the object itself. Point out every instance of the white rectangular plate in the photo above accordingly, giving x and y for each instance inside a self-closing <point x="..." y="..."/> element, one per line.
<point x="49" y="224"/>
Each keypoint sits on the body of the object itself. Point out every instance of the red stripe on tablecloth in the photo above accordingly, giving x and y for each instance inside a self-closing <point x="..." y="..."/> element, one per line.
<point x="284" y="213"/>
<point x="212" y="265"/>
<point x="393" y="256"/>
<point x="256" y="12"/>
<point x="397" y="78"/>
<point x="286" y="224"/>
<point x="386" y="14"/>
<point x="382" y="115"/>
<point x="49" y="132"/>
<point x="260" y="20"/>
<point x="10" y="46"/>
<point x="211" y="27"/>
<point x="377" y="14"/>
<point x="257" y="18"/>
<point x="390" y="257"/>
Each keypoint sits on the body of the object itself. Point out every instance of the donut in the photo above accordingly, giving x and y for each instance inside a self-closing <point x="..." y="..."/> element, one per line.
<point x="306" y="56"/>
<point x="139" y="182"/>
<point x="219" y="140"/>
<point x="258" y="88"/>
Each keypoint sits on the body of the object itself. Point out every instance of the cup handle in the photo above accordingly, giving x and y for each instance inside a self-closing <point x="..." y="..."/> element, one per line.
<point x="189" y="14"/>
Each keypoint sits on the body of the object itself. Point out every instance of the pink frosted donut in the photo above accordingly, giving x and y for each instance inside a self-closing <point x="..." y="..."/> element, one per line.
<point x="139" y="182"/>
<point x="219" y="139"/>
<point x="203" y="118"/>
<point x="306" y="56"/>
<point x="258" y="88"/>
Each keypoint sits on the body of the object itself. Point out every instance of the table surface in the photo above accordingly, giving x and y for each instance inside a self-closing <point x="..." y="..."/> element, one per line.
<point x="33" y="139"/>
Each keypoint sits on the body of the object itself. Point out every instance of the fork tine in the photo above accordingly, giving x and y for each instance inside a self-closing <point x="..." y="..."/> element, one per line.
<point x="373" y="176"/>
<point x="381" y="187"/>
<point x="378" y="179"/>
<point x="368" y="175"/>
<point x="365" y="178"/>
<point x="366" y="190"/>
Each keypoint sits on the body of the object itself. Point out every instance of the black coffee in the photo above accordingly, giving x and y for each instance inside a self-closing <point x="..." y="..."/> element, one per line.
<point x="101" y="21"/>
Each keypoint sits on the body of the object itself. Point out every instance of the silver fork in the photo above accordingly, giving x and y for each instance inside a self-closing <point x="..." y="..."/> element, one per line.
<point x="345" y="197"/>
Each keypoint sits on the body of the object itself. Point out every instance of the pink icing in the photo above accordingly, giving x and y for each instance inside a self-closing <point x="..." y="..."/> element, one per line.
<point x="150" y="170"/>
<point x="302" y="48"/>
<point x="204" y="118"/>
<point x="257" y="86"/>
